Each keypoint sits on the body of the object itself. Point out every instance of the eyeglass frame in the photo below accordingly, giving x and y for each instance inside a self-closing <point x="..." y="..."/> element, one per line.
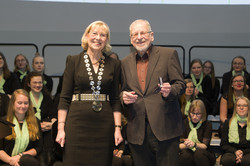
<point x="143" y="34"/>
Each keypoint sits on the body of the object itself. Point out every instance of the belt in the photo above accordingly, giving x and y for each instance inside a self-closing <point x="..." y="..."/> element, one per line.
<point x="89" y="97"/>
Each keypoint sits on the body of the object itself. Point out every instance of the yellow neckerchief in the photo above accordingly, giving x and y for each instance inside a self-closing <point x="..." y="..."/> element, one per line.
<point x="192" y="136"/>
<point x="37" y="105"/>
<point x="233" y="133"/>
<point x="22" y="137"/>
<point x="198" y="85"/>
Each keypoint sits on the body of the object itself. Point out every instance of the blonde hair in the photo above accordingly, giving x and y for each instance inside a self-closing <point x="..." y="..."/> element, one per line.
<point x="197" y="103"/>
<point x="27" y="67"/>
<point x="235" y="107"/>
<point x="29" y="116"/>
<point x="102" y="25"/>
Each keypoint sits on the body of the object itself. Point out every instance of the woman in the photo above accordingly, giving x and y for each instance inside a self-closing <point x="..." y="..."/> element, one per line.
<point x="21" y="147"/>
<point x="39" y="66"/>
<point x="8" y="80"/>
<point x="236" y="90"/>
<point x="235" y="136"/>
<point x="194" y="149"/>
<point x="22" y="68"/>
<point x="186" y="99"/>
<point x="90" y="101"/>
<point x="44" y="109"/>
<point x="202" y="83"/>
<point x="238" y="66"/>
<point x="208" y="69"/>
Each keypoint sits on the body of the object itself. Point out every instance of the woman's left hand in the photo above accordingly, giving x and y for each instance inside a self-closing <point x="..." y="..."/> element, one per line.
<point x="118" y="136"/>
<point x="46" y="126"/>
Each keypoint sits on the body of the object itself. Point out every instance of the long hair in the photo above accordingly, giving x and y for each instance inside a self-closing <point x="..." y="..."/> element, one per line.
<point x="230" y="102"/>
<point x="28" y="80"/>
<point x="240" y="57"/>
<point x="197" y="103"/>
<point x="212" y="73"/>
<point x="102" y="25"/>
<point x="235" y="107"/>
<point x="27" y="67"/>
<point x="182" y="98"/>
<point x="6" y="70"/>
<point x="29" y="116"/>
<point x="196" y="61"/>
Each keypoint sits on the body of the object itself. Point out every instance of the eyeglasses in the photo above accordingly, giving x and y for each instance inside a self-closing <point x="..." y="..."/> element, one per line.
<point x="236" y="81"/>
<point x="240" y="64"/>
<point x="143" y="34"/>
<point x="197" y="114"/>
<point x="242" y="105"/>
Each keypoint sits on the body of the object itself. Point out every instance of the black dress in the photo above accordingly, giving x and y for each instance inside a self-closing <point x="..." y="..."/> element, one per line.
<point x="89" y="135"/>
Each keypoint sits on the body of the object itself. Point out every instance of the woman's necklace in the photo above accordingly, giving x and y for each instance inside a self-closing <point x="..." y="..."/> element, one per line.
<point x="96" y="105"/>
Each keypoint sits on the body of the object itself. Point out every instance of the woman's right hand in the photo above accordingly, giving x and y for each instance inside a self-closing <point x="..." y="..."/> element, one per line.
<point x="14" y="160"/>
<point x="60" y="138"/>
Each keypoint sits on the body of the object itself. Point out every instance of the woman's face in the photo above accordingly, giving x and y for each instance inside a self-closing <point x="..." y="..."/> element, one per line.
<point x="21" y="104"/>
<point x="189" y="89"/>
<point x="238" y="83"/>
<point x="36" y="84"/>
<point x="207" y="68"/>
<point x="195" y="115"/>
<point x="97" y="38"/>
<point x="1" y="62"/>
<point x="242" y="108"/>
<point x="238" y="64"/>
<point x="21" y="62"/>
<point x="38" y="64"/>
<point x="196" y="69"/>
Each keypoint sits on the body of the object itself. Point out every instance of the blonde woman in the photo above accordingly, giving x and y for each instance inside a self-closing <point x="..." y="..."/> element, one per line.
<point x="235" y="136"/>
<point x="196" y="138"/>
<point x="21" y="147"/>
<point x="89" y="117"/>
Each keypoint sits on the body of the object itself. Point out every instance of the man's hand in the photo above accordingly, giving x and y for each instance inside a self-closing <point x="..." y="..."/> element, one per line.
<point x="165" y="89"/>
<point x="129" y="97"/>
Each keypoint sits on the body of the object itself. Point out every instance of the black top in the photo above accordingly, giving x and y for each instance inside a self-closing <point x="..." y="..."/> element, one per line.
<point x="215" y="91"/>
<point x="227" y="147"/>
<point x="4" y="102"/>
<point x="48" y="109"/>
<point x="21" y="82"/>
<point x="206" y="87"/>
<point x="49" y="84"/>
<point x="11" y="84"/>
<point x="204" y="132"/>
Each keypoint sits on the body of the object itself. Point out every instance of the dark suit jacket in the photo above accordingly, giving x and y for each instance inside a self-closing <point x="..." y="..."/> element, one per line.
<point x="163" y="114"/>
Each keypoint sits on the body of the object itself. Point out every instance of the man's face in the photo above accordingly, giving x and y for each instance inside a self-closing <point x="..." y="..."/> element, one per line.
<point x="141" y="37"/>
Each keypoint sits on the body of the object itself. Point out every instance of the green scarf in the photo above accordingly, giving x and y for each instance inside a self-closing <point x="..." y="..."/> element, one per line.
<point x="2" y="81"/>
<point x="198" y="86"/>
<point x="23" y="74"/>
<point x="187" y="107"/>
<point x="44" y="82"/>
<point x="233" y="134"/>
<point x="22" y="137"/>
<point x="192" y="136"/>
<point x="37" y="105"/>
<point x="242" y="73"/>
